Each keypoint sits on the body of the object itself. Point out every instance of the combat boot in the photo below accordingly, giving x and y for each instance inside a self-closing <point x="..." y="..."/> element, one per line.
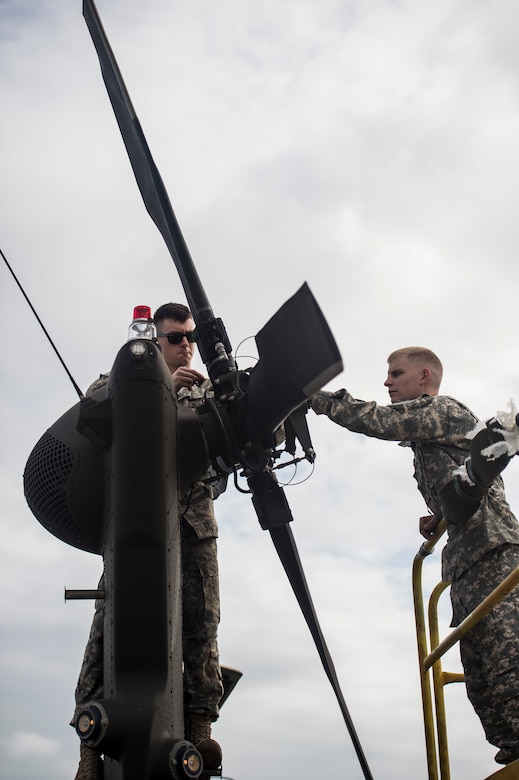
<point x="90" y="764"/>
<point x="200" y="736"/>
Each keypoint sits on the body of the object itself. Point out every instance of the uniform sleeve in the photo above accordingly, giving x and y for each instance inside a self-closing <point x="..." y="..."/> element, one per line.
<point x="422" y="419"/>
<point x="98" y="383"/>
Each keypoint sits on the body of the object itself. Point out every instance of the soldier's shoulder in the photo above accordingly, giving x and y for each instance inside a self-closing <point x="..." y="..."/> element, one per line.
<point x="454" y="403"/>
<point x="98" y="383"/>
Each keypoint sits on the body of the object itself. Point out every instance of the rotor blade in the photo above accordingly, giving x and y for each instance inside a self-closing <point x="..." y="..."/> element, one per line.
<point x="269" y="500"/>
<point x="285" y="545"/>
<point x="298" y="355"/>
<point x="146" y="173"/>
<point x="295" y="345"/>
<point x="274" y="514"/>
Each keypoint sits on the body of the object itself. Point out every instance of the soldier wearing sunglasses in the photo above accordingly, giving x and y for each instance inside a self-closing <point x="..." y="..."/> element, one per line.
<point x="177" y="339"/>
<point x="201" y="608"/>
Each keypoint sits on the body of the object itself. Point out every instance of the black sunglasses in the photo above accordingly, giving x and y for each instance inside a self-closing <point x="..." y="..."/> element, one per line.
<point x="176" y="336"/>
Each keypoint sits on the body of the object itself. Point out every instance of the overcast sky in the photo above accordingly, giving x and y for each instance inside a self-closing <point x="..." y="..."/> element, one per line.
<point x="368" y="148"/>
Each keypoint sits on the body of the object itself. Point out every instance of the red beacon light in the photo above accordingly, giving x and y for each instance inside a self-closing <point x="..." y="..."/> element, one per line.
<point x="142" y="325"/>
<point x="142" y="313"/>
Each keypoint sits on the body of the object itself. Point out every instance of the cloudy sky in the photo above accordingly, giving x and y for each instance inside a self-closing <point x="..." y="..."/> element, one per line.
<point x="368" y="148"/>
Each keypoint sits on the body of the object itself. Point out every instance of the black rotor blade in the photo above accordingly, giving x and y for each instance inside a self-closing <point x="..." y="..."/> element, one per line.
<point x="148" y="178"/>
<point x="298" y="355"/>
<point x="285" y="545"/>
<point x="274" y="515"/>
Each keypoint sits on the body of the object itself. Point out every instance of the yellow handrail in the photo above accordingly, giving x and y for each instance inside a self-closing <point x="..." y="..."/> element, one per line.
<point x="439" y="679"/>
<point x="475" y="616"/>
<point x="434" y="717"/>
<point x="421" y="635"/>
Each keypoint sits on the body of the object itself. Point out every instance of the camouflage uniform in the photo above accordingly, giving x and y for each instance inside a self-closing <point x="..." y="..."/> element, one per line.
<point x="203" y="687"/>
<point x="200" y="598"/>
<point x="478" y="554"/>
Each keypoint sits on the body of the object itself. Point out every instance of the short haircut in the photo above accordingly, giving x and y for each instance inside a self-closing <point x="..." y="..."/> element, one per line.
<point x="172" y="311"/>
<point x="421" y="355"/>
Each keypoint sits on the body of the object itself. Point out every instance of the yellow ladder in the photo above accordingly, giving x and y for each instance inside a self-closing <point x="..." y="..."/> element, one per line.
<point x="435" y="725"/>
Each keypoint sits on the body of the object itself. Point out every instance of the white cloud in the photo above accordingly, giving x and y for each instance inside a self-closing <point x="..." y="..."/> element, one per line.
<point x="24" y="744"/>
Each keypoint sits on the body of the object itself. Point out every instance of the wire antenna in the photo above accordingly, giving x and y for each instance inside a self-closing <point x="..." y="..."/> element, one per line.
<point x="44" y="329"/>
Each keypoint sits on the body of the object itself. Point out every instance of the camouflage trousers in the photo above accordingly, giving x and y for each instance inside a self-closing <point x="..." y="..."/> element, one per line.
<point x="200" y="618"/>
<point x="490" y="650"/>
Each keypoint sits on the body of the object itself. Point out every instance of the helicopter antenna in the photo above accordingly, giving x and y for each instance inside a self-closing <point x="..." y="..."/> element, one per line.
<point x="44" y="329"/>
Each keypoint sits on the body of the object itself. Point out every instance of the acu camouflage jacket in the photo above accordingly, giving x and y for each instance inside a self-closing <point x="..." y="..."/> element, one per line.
<point x="197" y="506"/>
<point x="438" y="429"/>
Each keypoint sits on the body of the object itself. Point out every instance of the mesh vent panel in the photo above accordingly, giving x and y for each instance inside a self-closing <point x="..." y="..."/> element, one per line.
<point x="46" y="480"/>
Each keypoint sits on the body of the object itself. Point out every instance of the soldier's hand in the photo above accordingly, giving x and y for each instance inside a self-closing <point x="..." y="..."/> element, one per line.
<point x="428" y="526"/>
<point x="186" y="377"/>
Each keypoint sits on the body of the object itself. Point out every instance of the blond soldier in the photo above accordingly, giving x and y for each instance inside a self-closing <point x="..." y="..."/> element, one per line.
<point x="479" y="553"/>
